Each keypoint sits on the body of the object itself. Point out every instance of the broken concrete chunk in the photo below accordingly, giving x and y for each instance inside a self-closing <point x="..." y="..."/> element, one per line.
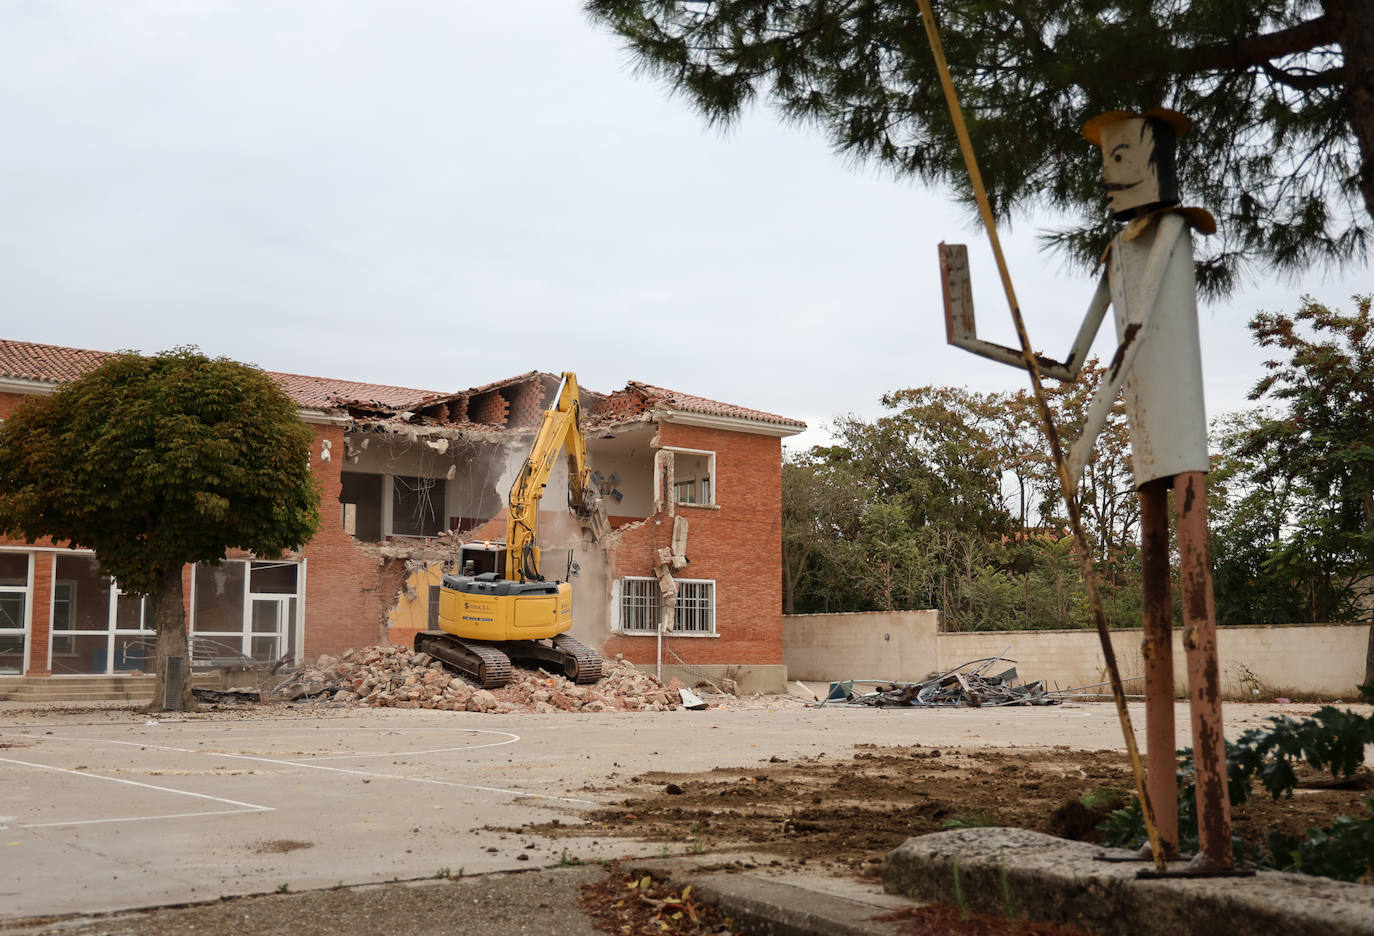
<point x="690" y="699"/>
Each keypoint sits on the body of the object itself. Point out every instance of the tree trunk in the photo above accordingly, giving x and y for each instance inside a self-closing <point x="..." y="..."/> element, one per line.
<point x="169" y="617"/>
<point x="1354" y="27"/>
<point x="1369" y="654"/>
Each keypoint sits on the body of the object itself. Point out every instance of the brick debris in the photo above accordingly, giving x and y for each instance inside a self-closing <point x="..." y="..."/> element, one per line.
<point x="395" y="677"/>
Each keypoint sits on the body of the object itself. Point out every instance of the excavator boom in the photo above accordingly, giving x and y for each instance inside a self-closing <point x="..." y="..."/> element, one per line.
<point x="559" y="428"/>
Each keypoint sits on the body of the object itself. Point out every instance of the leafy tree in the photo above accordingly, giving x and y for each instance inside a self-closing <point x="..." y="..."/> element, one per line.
<point x="897" y="568"/>
<point x="935" y="451"/>
<point x="1248" y="509"/>
<point x="822" y="502"/>
<point x="1319" y="444"/>
<point x="156" y="462"/>
<point x="1279" y="90"/>
<point x="1106" y="492"/>
<point x="930" y="504"/>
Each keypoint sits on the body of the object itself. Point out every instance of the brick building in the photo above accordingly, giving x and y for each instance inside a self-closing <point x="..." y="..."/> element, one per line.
<point x="692" y="486"/>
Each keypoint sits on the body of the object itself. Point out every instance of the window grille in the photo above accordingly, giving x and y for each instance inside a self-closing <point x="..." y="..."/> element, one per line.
<point x="641" y="606"/>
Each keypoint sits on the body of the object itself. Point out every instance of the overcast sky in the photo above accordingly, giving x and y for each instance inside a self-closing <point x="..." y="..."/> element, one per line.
<point x="442" y="194"/>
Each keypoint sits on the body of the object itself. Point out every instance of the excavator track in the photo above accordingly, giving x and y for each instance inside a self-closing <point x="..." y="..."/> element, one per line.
<point x="587" y="661"/>
<point x="478" y="662"/>
<point x="562" y="654"/>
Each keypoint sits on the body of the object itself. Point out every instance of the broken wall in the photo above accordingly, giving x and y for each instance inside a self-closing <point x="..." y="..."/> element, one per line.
<point x="468" y="468"/>
<point x="737" y="543"/>
<point x="348" y="592"/>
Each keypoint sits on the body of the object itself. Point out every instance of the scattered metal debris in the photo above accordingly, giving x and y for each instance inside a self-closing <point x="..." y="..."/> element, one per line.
<point x="966" y="685"/>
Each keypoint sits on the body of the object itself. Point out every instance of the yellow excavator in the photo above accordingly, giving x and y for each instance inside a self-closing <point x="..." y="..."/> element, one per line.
<point x="501" y="608"/>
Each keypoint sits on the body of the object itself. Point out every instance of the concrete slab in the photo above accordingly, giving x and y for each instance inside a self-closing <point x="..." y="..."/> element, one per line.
<point x="791" y="904"/>
<point x="486" y="905"/>
<point x="1057" y="880"/>
<point x="108" y="812"/>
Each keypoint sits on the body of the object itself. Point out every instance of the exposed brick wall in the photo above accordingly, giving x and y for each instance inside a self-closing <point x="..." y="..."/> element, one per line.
<point x="347" y="594"/>
<point x="621" y="404"/>
<point x="526" y="404"/>
<point x="489" y="409"/>
<point x="8" y="401"/>
<point x="39" y="664"/>
<point x="738" y="544"/>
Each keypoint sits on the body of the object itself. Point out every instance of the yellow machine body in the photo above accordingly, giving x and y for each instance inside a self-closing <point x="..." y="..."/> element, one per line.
<point x="499" y="610"/>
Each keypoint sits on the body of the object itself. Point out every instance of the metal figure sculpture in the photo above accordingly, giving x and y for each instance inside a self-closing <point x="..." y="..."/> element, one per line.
<point x="1157" y="367"/>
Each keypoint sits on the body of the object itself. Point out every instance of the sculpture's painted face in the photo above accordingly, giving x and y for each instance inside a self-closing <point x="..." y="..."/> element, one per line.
<point x="1129" y="169"/>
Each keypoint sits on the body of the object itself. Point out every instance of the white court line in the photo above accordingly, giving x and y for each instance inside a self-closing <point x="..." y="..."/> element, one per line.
<point x="244" y="807"/>
<point x="509" y="739"/>
<point x="343" y="770"/>
<point x="184" y="815"/>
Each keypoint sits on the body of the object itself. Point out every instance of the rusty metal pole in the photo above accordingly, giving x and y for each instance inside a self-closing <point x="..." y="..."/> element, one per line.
<point x="1157" y="647"/>
<point x="1204" y="676"/>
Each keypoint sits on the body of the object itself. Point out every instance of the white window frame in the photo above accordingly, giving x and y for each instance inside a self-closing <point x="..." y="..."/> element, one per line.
<point x="656" y="603"/>
<point x="293" y="631"/>
<point x="26" y="631"/>
<point x="65" y="633"/>
<point x="710" y="477"/>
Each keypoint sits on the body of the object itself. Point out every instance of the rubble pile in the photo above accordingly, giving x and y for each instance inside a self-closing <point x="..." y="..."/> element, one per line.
<point x="395" y="677"/>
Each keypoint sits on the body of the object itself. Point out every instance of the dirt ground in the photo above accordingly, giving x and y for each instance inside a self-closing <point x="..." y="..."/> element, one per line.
<point x="845" y="814"/>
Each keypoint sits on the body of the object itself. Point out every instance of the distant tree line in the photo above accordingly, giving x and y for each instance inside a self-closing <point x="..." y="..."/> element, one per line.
<point x="949" y="500"/>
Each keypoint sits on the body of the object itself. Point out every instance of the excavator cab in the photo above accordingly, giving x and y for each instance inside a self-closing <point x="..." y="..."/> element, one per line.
<point x="482" y="557"/>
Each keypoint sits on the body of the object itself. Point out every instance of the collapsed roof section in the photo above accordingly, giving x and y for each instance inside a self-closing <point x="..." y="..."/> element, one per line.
<point x="519" y="402"/>
<point x="514" y="403"/>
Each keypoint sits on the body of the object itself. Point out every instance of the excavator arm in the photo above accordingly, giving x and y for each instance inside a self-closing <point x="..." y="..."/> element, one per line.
<point x="560" y="428"/>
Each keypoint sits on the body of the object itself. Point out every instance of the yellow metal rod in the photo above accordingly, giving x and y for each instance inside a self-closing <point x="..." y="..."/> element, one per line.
<point x="1056" y="449"/>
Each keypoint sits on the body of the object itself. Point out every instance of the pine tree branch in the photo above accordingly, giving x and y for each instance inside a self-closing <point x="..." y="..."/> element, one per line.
<point x="1255" y="50"/>
<point x="1309" y="81"/>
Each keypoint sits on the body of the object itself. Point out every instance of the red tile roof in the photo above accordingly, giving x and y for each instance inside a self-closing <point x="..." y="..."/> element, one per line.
<point x="55" y="364"/>
<point x="48" y="363"/>
<point x="323" y="392"/>
<point x="690" y="403"/>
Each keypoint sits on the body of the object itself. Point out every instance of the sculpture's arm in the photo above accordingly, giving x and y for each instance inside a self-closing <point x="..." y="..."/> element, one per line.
<point x="1146" y="291"/>
<point x="962" y="331"/>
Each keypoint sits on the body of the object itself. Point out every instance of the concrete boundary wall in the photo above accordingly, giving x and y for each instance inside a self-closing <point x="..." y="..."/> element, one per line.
<point x="898" y="645"/>
<point x="1325" y="659"/>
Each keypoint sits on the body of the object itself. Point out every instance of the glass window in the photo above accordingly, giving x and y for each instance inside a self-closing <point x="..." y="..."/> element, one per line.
<point x="64" y="606"/>
<point x="696" y="608"/>
<point x="133" y="613"/>
<point x="11" y="654"/>
<point x="267" y="616"/>
<point x="692" y="477"/>
<point x="641" y="606"/>
<point x="12" y="610"/>
<point x="219" y="598"/>
<point x="81" y="599"/>
<point x="273" y="578"/>
<point x="14" y="569"/>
